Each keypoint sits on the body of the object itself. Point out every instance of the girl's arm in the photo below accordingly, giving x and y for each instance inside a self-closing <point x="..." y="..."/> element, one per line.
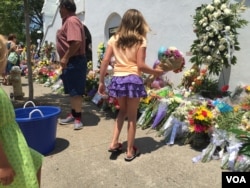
<point x="143" y="67"/>
<point x="103" y="70"/>
<point x="7" y="173"/>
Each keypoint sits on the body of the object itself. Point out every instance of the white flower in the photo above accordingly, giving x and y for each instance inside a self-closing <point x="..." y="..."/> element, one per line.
<point x="187" y="74"/>
<point x="227" y="28"/>
<point x="217" y="14"/>
<point x="199" y="78"/>
<point x="222" y="47"/>
<point x="211" y="43"/>
<point x="211" y="34"/>
<point x="227" y="11"/>
<point x="204" y="38"/>
<point x="210" y="16"/>
<point x="223" y="6"/>
<point x="209" y="58"/>
<point x="204" y="24"/>
<point x="172" y="48"/>
<point x="223" y="40"/>
<point x="206" y="49"/>
<point x="210" y="8"/>
<point x="220" y="27"/>
<point x="208" y="28"/>
<point x="216" y="2"/>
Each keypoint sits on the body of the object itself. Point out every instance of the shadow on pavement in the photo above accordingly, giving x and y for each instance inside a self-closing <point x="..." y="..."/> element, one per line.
<point x="146" y="144"/>
<point x="61" y="144"/>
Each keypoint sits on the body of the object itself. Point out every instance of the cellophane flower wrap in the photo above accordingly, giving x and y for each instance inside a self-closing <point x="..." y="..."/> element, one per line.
<point x="233" y="148"/>
<point x="218" y="140"/>
<point x="161" y="112"/>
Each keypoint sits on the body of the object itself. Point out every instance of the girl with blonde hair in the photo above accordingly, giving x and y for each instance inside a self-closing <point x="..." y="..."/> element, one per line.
<point x="128" y="46"/>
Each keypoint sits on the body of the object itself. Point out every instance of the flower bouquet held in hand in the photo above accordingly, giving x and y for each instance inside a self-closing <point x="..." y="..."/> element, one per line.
<point x="170" y="60"/>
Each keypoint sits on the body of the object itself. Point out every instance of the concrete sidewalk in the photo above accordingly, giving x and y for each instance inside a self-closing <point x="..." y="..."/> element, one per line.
<point x="80" y="158"/>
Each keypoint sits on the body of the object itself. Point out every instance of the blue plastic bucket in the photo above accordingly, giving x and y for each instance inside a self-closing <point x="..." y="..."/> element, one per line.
<point x="39" y="125"/>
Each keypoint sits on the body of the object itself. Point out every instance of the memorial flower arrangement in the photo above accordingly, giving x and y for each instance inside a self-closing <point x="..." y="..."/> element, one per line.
<point x="200" y="119"/>
<point x="48" y="51"/>
<point x="192" y="79"/>
<point x="100" y="53"/>
<point x="200" y="125"/>
<point x="215" y="26"/>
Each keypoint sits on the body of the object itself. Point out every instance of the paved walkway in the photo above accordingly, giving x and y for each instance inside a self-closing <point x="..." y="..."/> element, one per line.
<point x="80" y="158"/>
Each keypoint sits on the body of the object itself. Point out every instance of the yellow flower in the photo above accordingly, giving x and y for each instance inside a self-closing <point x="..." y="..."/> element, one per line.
<point x="191" y="128"/>
<point x="200" y="117"/>
<point x="248" y="88"/>
<point x="146" y="100"/>
<point x="236" y="108"/>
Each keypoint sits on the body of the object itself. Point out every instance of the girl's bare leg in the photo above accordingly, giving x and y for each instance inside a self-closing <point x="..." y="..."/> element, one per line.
<point x="132" y="109"/>
<point x="39" y="173"/>
<point x="119" y="122"/>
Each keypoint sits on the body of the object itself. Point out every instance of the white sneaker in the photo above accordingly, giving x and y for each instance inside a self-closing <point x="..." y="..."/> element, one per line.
<point x="67" y="120"/>
<point x="78" y="125"/>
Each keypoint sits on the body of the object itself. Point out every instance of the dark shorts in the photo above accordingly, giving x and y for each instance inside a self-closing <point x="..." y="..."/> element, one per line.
<point x="9" y="67"/>
<point x="74" y="76"/>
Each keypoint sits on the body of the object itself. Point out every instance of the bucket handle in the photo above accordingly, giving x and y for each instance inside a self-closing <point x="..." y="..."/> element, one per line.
<point x="35" y="110"/>
<point x="28" y="103"/>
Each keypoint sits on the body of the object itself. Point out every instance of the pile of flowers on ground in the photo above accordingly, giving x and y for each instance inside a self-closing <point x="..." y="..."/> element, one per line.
<point x="213" y="126"/>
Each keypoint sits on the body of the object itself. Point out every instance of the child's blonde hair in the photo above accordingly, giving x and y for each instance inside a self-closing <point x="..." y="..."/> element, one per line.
<point x="132" y="30"/>
<point x="3" y="53"/>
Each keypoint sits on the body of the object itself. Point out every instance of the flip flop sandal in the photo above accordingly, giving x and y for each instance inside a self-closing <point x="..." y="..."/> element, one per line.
<point x="117" y="149"/>
<point x="136" y="154"/>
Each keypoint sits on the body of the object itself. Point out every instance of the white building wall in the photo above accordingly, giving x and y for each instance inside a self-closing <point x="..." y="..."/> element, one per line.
<point x="171" y="23"/>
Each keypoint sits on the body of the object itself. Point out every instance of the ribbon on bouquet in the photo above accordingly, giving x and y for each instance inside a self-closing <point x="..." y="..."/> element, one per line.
<point x="233" y="152"/>
<point x="229" y="48"/>
<point x="176" y="124"/>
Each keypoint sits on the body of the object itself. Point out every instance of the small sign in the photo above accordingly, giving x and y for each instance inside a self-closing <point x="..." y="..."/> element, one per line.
<point x="112" y="31"/>
<point x="236" y="179"/>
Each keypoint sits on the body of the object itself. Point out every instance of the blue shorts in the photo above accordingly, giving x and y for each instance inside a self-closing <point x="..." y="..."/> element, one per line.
<point x="74" y="76"/>
<point x="9" y="67"/>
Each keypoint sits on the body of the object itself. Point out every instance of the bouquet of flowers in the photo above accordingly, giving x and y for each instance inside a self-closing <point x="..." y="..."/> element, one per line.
<point x="47" y="50"/>
<point x="192" y="78"/>
<point x="200" y="119"/>
<point x="100" y="52"/>
<point x="200" y="122"/>
<point x="171" y="60"/>
<point x="216" y="27"/>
